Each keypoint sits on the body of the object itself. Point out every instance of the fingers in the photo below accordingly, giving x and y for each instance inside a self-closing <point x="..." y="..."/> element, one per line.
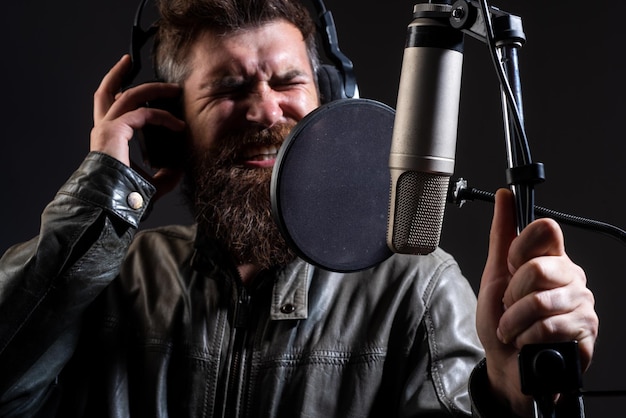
<point x="118" y="114"/>
<point x="109" y="87"/>
<point x="533" y="317"/>
<point x="110" y="103"/>
<point x="577" y="321"/>
<point x="138" y="96"/>
<point x="573" y="324"/>
<point x="546" y="299"/>
<point x="542" y="237"/>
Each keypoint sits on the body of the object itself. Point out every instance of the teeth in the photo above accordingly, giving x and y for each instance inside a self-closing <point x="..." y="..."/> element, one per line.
<point x="261" y="152"/>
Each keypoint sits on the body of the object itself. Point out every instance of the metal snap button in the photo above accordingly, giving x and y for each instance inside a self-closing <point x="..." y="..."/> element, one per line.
<point x="287" y="308"/>
<point x="135" y="200"/>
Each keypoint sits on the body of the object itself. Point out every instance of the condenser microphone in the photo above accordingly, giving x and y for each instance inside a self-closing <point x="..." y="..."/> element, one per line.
<point x="423" y="143"/>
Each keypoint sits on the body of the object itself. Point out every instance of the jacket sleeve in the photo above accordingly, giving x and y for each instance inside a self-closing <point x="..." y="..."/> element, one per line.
<point x="483" y="406"/>
<point x="47" y="283"/>
<point x="450" y="346"/>
<point x="457" y="383"/>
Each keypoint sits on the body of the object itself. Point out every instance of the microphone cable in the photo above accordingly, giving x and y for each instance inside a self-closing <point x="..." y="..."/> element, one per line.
<point x="459" y="193"/>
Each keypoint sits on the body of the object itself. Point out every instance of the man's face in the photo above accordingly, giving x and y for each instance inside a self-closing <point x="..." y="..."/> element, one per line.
<point x="252" y="79"/>
<point x="245" y="92"/>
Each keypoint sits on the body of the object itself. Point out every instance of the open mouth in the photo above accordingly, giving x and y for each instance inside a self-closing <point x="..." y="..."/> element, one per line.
<point x="259" y="156"/>
<point x="260" y="153"/>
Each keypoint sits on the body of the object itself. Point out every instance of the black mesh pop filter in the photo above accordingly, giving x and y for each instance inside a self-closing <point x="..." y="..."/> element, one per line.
<point x="330" y="185"/>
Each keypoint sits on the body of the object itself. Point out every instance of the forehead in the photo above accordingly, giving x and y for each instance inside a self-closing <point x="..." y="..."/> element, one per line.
<point x="273" y="46"/>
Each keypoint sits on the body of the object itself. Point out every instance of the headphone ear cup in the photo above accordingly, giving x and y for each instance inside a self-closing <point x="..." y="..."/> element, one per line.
<point x="330" y="83"/>
<point x="161" y="147"/>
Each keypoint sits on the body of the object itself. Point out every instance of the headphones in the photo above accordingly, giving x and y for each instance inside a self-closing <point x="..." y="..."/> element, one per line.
<point x="335" y="81"/>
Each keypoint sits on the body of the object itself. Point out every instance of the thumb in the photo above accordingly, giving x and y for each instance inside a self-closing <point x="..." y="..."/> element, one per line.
<point x="497" y="273"/>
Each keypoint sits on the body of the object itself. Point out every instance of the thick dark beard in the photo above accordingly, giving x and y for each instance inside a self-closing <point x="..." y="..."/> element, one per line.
<point x="231" y="203"/>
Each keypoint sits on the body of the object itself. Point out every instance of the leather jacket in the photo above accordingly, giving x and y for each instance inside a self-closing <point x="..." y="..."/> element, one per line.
<point x="98" y="322"/>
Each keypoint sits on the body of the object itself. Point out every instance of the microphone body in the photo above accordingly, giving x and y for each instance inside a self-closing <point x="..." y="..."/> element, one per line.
<point x="423" y="145"/>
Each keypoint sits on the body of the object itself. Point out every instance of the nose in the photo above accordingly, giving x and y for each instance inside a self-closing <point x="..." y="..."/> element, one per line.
<point x="264" y="107"/>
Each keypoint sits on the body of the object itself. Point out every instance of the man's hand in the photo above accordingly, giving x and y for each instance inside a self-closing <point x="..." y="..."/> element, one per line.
<point x="530" y="292"/>
<point x="118" y="114"/>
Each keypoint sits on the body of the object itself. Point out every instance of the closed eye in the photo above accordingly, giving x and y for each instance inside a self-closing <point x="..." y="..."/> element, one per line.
<point x="289" y="80"/>
<point x="238" y="87"/>
<point x="230" y="87"/>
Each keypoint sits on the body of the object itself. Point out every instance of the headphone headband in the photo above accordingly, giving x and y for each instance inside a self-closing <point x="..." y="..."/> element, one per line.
<point x="325" y="25"/>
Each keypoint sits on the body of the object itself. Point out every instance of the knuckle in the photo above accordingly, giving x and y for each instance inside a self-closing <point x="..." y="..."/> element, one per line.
<point x="99" y="94"/>
<point x="591" y="323"/>
<point x="537" y="269"/>
<point x="580" y="274"/>
<point x="544" y="302"/>
<point x="547" y="329"/>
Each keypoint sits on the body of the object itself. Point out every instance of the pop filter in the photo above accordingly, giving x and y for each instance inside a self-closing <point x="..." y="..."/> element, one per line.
<point x="330" y="185"/>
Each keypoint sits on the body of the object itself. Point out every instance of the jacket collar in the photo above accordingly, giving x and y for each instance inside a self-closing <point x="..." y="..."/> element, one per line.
<point x="291" y="283"/>
<point x="291" y="290"/>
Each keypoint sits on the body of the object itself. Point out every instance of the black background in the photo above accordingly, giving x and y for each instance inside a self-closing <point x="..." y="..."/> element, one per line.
<point x="572" y="67"/>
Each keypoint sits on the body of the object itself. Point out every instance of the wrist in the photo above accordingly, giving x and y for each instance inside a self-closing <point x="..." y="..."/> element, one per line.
<point x="505" y="386"/>
<point x="492" y="401"/>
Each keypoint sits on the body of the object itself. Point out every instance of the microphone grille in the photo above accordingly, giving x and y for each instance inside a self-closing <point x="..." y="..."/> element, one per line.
<point x="419" y="207"/>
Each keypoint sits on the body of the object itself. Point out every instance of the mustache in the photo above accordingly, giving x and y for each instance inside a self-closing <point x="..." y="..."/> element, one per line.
<point x="232" y="147"/>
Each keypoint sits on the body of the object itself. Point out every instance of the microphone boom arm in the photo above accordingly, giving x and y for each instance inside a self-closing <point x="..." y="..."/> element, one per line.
<point x="504" y="35"/>
<point x="545" y="369"/>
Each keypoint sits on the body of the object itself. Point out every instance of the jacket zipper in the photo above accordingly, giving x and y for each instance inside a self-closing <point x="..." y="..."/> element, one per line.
<point x="235" y="379"/>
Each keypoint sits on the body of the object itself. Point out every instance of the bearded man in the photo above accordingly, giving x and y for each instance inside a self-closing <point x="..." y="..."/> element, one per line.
<point x="219" y="318"/>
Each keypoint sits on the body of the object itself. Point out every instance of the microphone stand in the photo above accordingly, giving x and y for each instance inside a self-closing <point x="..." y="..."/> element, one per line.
<point x="545" y="369"/>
